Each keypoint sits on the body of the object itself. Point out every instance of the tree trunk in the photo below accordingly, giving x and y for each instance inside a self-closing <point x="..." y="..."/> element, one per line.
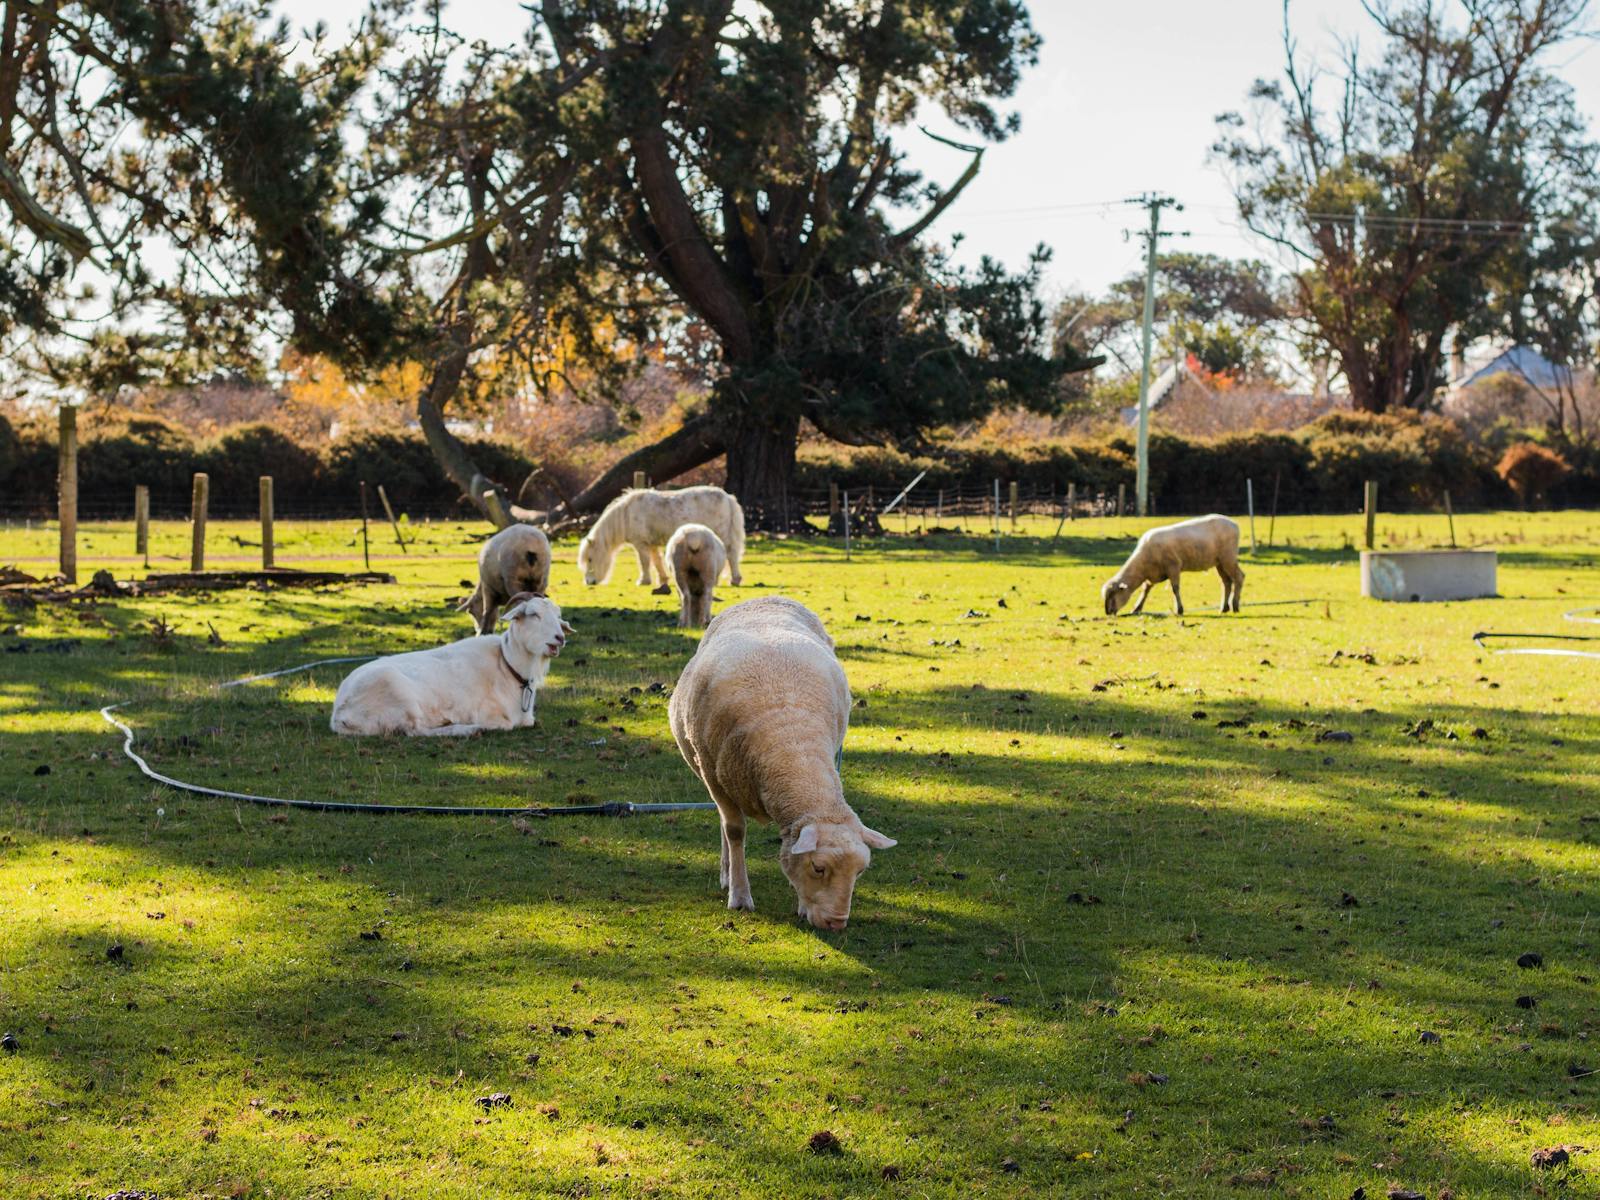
<point x="761" y="450"/>
<point x="486" y="496"/>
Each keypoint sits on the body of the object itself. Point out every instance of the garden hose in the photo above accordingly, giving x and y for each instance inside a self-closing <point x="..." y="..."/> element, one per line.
<point x="615" y="808"/>
<point x="1587" y="616"/>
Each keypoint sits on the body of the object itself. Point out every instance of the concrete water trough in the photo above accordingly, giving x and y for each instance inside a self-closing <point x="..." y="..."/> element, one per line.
<point x="1411" y="575"/>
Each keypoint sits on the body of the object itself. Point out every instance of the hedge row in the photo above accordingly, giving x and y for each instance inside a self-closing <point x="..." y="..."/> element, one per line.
<point x="1320" y="468"/>
<point x="112" y="459"/>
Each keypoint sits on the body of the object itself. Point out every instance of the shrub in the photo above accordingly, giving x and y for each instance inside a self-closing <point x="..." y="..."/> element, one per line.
<point x="1530" y="470"/>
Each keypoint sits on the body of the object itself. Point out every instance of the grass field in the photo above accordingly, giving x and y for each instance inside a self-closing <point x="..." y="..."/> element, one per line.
<point x="1144" y="933"/>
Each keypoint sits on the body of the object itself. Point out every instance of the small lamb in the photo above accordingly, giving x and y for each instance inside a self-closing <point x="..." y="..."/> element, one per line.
<point x="646" y="518"/>
<point x="478" y="683"/>
<point x="517" y="559"/>
<point x="1169" y="550"/>
<point x="696" y="556"/>
<point x="759" y="715"/>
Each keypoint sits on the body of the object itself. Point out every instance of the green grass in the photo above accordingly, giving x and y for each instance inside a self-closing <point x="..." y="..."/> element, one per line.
<point x="1111" y="955"/>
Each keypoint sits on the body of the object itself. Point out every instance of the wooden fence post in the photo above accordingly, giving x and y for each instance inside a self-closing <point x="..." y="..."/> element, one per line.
<point x="833" y="504"/>
<point x="199" y="502"/>
<point x="393" y="524"/>
<point x="141" y="522"/>
<point x="67" y="493"/>
<point x="1272" y="521"/>
<point x="1072" y="501"/>
<point x="1372" y="510"/>
<point x="266" y="522"/>
<point x="638" y="481"/>
<point x="1013" y="498"/>
<point x="1450" y="512"/>
<point x="366" y="548"/>
<point x="1122" y="498"/>
<point x="1250" y="503"/>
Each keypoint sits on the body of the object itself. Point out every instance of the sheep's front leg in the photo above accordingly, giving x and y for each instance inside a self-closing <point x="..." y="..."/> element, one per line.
<point x="642" y="552"/>
<point x="1143" y="596"/>
<point x="738" y="877"/>
<point x="1177" y="596"/>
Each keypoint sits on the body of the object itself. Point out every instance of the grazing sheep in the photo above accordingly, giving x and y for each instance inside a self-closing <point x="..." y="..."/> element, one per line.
<point x="646" y="519"/>
<point x="477" y="683"/>
<point x="517" y="559"/>
<point x="696" y="556"/>
<point x="760" y="715"/>
<point x="1166" y="552"/>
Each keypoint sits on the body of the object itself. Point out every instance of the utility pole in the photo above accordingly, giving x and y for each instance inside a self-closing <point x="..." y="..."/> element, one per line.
<point x="1152" y="238"/>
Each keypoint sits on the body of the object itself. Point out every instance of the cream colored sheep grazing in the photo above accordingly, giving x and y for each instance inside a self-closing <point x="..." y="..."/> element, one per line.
<point x="517" y="559"/>
<point x="468" y="686"/>
<point x="696" y="557"/>
<point x="1168" y="551"/>
<point x="645" y="519"/>
<point x="760" y="715"/>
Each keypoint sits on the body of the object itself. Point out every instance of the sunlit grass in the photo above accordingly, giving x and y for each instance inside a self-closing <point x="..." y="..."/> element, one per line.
<point x="1121" y="949"/>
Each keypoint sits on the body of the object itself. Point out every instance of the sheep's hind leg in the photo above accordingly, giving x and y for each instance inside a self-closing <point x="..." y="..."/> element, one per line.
<point x="1177" y="597"/>
<point x="1227" y="585"/>
<point x="1238" y="584"/>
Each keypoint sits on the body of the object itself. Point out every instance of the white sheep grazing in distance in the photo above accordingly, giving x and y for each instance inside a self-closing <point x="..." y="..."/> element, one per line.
<point x="1168" y="551"/>
<point x="647" y="518"/>
<point x="517" y="559"/>
<point x="475" y="684"/>
<point x="760" y="715"/>
<point x="695" y="556"/>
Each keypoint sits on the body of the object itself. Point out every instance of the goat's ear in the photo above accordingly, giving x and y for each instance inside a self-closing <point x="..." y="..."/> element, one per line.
<point x="806" y="842"/>
<point x="565" y="628"/>
<point x="1123" y="586"/>
<point x="878" y="841"/>
<point x="519" y="598"/>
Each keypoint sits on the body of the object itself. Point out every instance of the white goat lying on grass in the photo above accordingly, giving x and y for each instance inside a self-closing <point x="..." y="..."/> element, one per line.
<point x="646" y="519"/>
<point x="478" y="683"/>
<point x="1168" y="551"/>
<point x="760" y="714"/>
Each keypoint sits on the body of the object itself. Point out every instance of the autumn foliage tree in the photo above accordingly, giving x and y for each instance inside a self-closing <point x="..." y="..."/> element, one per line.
<point x="1531" y="470"/>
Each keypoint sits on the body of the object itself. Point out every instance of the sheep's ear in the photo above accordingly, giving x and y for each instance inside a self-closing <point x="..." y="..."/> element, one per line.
<point x="806" y="842"/>
<point x="876" y="840"/>
<point x="519" y="598"/>
<point x="1123" y="586"/>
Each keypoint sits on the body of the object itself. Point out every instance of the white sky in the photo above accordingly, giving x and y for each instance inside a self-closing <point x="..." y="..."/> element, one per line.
<point x="1122" y="101"/>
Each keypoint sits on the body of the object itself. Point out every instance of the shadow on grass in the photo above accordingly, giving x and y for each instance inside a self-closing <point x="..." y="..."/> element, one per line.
<point x="1041" y="917"/>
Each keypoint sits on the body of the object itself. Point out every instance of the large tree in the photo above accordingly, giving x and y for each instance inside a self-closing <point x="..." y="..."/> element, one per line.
<point x="1403" y="195"/>
<point x="146" y="152"/>
<point x="758" y="180"/>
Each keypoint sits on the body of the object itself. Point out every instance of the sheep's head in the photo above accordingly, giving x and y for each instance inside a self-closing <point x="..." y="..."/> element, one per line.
<point x="534" y="625"/>
<point x="1115" y="593"/>
<point x="823" y="862"/>
<point x="594" y="571"/>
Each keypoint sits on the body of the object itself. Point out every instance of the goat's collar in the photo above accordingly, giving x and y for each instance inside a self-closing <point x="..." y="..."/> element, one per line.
<point x="527" y="684"/>
<point x="506" y="662"/>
